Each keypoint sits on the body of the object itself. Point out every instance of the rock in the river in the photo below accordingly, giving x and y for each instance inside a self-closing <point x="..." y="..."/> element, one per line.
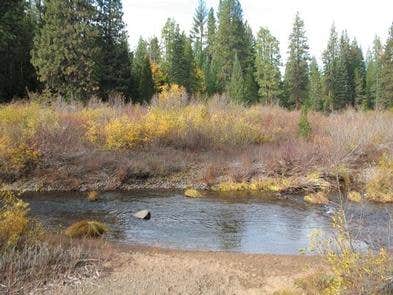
<point x="317" y="198"/>
<point x="192" y="193"/>
<point x="354" y="197"/>
<point x="144" y="214"/>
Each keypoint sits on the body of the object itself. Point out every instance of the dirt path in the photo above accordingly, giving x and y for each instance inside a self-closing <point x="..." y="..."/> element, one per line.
<point x="157" y="271"/>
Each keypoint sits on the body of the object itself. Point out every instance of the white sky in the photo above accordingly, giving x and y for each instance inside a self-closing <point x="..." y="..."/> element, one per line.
<point x="362" y="19"/>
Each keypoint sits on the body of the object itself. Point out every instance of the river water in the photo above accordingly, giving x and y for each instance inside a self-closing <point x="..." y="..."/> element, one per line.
<point x="248" y="224"/>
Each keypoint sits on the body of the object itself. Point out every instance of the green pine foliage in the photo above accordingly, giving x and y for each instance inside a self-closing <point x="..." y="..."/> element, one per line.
<point x="198" y="32"/>
<point x="79" y="48"/>
<point x="178" y="57"/>
<point x="232" y="37"/>
<point x="18" y="23"/>
<point x="336" y="72"/>
<point x="267" y="63"/>
<point x="374" y="75"/>
<point x="358" y="69"/>
<point x="236" y="86"/>
<point x="304" y="124"/>
<point x="316" y="99"/>
<point x="296" y="72"/>
<point x="114" y="64"/>
<point x="143" y="77"/>
<point x="387" y="73"/>
<point x="211" y="32"/>
<point x="66" y="62"/>
<point x="154" y="51"/>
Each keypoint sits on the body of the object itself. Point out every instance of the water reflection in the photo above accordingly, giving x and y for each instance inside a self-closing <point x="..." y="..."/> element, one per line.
<point x="253" y="224"/>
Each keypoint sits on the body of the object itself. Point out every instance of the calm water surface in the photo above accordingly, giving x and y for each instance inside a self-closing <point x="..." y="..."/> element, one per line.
<point x="241" y="224"/>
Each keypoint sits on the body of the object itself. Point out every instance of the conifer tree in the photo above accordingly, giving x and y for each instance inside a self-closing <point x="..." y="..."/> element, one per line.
<point x="178" y="61"/>
<point x="17" y="26"/>
<point x="146" y="85"/>
<point x="198" y="32"/>
<point x="155" y="50"/>
<point x="268" y="64"/>
<point x="211" y="74"/>
<point x="211" y="32"/>
<point x="346" y="90"/>
<point x="236" y="85"/>
<point x="387" y="72"/>
<point x="296" y="72"/>
<point x="331" y="61"/>
<point x="358" y="68"/>
<point x="65" y="49"/>
<point x="142" y="74"/>
<point x="231" y="38"/>
<point x="210" y="70"/>
<point x="114" y="64"/>
<point x="250" y="86"/>
<point x="315" y="95"/>
<point x="374" y="75"/>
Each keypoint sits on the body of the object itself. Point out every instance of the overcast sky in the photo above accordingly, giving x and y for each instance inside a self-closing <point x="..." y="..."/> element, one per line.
<point x="363" y="19"/>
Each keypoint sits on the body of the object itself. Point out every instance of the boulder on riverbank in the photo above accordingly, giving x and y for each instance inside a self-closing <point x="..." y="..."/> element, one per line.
<point x="317" y="199"/>
<point x="354" y="197"/>
<point x="143" y="214"/>
<point x="92" y="196"/>
<point x="192" y="193"/>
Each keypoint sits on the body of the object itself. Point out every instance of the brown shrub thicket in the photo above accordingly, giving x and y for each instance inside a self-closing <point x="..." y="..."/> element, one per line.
<point x="115" y="143"/>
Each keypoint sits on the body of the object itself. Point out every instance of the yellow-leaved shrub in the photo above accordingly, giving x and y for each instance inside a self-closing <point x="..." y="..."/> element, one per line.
<point x="379" y="187"/>
<point x="16" y="228"/>
<point x="351" y="270"/>
<point x="124" y="133"/>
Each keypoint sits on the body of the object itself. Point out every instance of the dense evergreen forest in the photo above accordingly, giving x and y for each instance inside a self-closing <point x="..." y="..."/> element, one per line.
<point x="78" y="49"/>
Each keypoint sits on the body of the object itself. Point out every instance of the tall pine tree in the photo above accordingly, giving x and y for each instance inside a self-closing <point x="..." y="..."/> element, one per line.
<point x="296" y="72"/>
<point x="65" y="49"/>
<point x="268" y="62"/>
<point x="211" y="33"/>
<point x="142" y="75"/>
<point x="316" y="96"/>
<point x="17" y="26"/>
<point x="236" y="85"/>
<point x="198" y="33"/>
<point x="387" y="73"/>
<point x="232" y="37"/>
<point x="334" y="73"/>
<point x="114" y="64"/>
<point x="374" y="75"/>
<point x="178" y="60"/>
<point x="358" y="68"/>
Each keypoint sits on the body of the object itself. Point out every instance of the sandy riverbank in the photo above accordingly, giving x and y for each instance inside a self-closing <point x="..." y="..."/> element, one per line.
<point x="158" y="271"/>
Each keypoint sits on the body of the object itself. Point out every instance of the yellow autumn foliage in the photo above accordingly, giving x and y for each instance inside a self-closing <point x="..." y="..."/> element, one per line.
<point x="379" y="187"/>
<point x="15" y="226"/>
<point x="350" y="270"/>
<point x="263" y="185"/>
<point x="21" y="121"/>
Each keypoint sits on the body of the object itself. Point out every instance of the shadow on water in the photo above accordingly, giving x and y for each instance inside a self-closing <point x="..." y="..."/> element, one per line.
<point x="252" y="224"/>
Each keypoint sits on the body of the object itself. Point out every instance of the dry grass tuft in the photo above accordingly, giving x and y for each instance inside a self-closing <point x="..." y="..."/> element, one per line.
<point x="86" y="229"/>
